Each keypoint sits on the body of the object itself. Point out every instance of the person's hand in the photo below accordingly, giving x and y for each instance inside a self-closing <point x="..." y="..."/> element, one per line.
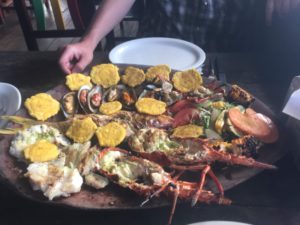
<point x="75" y="57"/>
<point x="280" y="7"/>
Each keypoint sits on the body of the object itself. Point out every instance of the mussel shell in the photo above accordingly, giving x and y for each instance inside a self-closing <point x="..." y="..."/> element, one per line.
<point x="147" y="91"/>
<point x="82" y="97"/>
<point x="94" y="99"/>
<point x="126" y="95"/>
<point x="111" y="94"/>
<point x="69" y="104"/>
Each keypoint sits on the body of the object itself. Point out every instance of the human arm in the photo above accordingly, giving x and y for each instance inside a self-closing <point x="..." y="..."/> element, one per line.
<point x="75" y="57"/>
<point x="280" y="7"/>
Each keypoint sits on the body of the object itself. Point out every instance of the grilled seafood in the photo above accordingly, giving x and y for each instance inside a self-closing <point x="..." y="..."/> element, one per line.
<point x="186" y="152"/>
<point x="239" y="95"/>
<point x="173" y="123"/>
<point x="148" y="178"/>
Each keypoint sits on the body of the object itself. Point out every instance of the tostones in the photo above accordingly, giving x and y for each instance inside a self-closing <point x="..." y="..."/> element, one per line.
<point x="150" y="106"/>
<point x="109" y="108"/>
<point x="185" y="81"/>
<point x="75" y="80"/>
<point x="133" y="76"/>
<point x="161" y="72"/>
<point x="41" y="151"/>
<point x="111" y="135"/>
<point x="188" y="131"/>
<point x="105" y="75"/>
<point x="42" y="106"/>
<point x="81" y="130"/>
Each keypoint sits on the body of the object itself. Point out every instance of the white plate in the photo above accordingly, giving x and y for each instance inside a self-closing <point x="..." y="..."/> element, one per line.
<point x="219" y="223"/>
<point x="10" y="100"/>
<point x="178" y="54"/>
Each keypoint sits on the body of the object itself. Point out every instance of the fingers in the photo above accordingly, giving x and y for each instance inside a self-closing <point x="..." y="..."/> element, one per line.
<point x="269" y="12"/>
<point x="65" y="60"/>
<point x="82" y="63"/>
<point x="75" y="58"/>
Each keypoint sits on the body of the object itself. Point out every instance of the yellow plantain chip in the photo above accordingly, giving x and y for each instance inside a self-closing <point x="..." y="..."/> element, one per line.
<point x="42" y="106"/>
<point x="111" y="135"/>
<point x="82" y="130"/>
<point x="106" y="75"/>
<point x="109" y="108"/>
<point x="150" y="106"/>
<point x="159" y="71"/>
<point x="41" y="151"/>
<point x="75" y="80"/>
<point x="188" y="131"/>
<point x="186" y="81"/>
<point x="133" y="76"/>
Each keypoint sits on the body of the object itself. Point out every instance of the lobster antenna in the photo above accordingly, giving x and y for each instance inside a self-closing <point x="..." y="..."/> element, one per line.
<point x="162" y="188"/>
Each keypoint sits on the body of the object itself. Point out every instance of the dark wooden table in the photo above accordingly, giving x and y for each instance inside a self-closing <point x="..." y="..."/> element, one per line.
<point x="272" y="197"/>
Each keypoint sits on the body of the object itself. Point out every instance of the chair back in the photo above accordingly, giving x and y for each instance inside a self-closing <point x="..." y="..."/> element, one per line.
<point x="80" y="13"/>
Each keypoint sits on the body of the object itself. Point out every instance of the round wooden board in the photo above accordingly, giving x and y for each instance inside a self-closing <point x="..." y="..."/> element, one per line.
<point x="116" y="198"/>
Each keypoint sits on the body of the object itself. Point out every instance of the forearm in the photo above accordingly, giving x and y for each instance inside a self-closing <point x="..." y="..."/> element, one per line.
<point x="108" y="15"/>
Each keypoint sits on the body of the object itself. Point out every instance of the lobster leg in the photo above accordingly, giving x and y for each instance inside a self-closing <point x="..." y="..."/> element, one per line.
<point x="173" y="205"/>
<point x="217" y="182"/>
<point x="201" y="184"/>
<point x="162" y="188"/>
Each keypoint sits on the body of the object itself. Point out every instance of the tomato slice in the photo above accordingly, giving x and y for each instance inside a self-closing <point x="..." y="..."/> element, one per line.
<point x="254" y="124"/>
<point x="274" y="135"/>
<point x="185" y="116"/>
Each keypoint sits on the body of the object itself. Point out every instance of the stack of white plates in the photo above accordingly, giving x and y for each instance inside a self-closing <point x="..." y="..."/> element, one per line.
<point x="178" y="54"/>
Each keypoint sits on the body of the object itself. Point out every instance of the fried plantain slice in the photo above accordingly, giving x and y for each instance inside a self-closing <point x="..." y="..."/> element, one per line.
<point x="150" y="106"/>
<point x="105" y="75"/>
<point x="42" y="106"/>
<point x="75" y="80"/>
<point x="188" y="131"/>
<point x="159" y="71"/>
<point x="133" y="76"/>
<point x="111" y="135"/>
<point x="109" y="108"/>
<point x="41" y="151"/>
<point x="188" y="80"/>
<point x="81" y="130"/>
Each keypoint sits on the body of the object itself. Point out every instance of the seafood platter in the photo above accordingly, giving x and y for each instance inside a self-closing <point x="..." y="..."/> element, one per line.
<point x="128" y="136"/>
